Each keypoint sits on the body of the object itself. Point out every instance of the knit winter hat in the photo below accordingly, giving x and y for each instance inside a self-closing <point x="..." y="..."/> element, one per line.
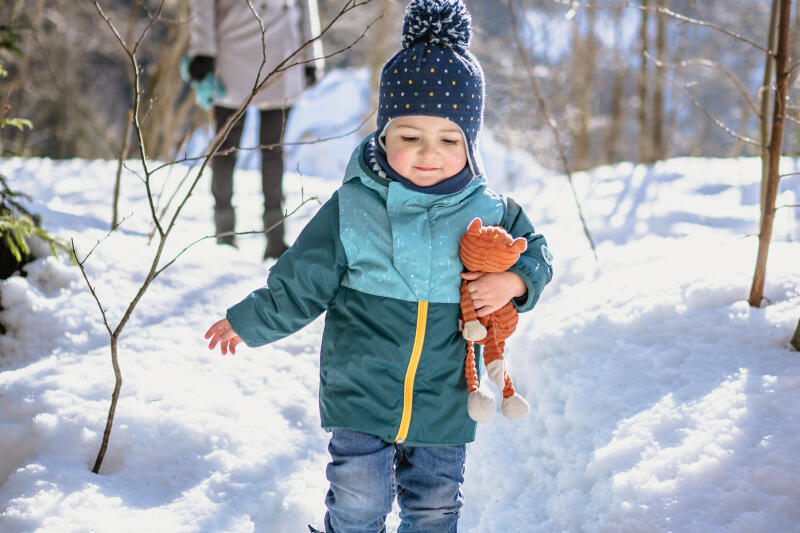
<point x="434" y="74"/>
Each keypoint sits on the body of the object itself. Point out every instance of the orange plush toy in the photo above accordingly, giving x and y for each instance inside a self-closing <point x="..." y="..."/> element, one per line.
<point x="489" y="249"/>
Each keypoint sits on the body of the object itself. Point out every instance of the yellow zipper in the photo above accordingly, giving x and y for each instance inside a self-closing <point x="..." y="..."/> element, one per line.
<point x="408" y="389"/>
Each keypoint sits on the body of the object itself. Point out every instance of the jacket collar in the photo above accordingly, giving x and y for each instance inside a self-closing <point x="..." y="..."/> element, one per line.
<point x="375" y="155"/>
<point x="358" y="168"/>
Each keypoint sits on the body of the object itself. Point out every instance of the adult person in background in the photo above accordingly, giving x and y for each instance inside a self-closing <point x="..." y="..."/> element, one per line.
<point x="228" y="48"/>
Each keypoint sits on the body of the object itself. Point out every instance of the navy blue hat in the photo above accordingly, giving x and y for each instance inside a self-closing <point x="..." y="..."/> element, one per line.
<point x="434" y="74"/>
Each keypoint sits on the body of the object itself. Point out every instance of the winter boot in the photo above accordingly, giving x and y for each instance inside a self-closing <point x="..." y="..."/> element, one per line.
<point x="273" y="225"/>
<point x="225" y="221"/>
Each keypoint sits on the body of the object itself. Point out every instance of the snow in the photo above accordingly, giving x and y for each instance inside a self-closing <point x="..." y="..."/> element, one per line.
<point x="661" y="401"/>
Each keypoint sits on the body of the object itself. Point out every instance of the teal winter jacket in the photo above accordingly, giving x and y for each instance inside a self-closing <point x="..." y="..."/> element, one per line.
<point x="382" y="260"/>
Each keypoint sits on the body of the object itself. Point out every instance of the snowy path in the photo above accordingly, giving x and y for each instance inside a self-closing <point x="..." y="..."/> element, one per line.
<point x="661" y="401"/>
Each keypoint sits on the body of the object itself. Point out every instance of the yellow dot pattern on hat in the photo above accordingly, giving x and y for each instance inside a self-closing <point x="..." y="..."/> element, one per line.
<point x="424" y="68"/>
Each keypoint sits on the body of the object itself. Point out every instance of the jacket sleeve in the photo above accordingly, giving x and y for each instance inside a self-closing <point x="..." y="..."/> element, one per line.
<point x="202" y="27"/>
<point x="300" y="286"/>
<point x="535" y="264"/>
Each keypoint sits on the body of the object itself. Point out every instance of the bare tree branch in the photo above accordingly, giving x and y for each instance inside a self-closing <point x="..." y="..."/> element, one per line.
<point x="163" y="230"/>
<point x="666" y="11"/>
<point x="227" y="151"/>
<point x="230" y="233"/>
<point x="714" y="65"/>
<point x="549" y="119"/>
<point x="88" y="283"/>
<point x="714" y="119"/>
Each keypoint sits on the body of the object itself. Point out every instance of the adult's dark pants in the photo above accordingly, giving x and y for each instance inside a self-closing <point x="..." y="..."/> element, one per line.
<point x="272" y="125"/>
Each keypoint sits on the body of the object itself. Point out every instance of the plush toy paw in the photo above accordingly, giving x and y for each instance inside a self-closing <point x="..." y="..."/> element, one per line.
<point x="497" y="372"/>
<point x="480" y="406"/>
<point x="474" y="331"/>
<point x="514" y="407"/>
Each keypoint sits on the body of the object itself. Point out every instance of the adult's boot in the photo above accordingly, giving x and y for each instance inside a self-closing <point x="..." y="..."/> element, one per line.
<point x="274" y="226"/>
<point x="225" y="221"/>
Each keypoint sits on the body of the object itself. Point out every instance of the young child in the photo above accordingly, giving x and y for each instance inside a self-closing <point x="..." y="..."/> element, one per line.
<point x="381" y="257"/>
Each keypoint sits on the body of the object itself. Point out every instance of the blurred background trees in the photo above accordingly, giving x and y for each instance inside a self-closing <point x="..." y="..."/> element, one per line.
<point x="71" y="79"/>
<point x="621" y="81"/>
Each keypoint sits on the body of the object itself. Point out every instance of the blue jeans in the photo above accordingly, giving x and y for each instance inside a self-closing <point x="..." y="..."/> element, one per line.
<point x="365" y="474"/>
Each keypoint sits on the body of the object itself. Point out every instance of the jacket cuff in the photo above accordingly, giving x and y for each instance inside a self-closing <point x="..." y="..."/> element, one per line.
<point x="239" y="316"/>
<point x="528" y="300"/>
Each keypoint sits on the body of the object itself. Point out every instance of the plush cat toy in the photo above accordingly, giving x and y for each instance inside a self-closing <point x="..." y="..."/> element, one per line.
<point x="489" y="249"/>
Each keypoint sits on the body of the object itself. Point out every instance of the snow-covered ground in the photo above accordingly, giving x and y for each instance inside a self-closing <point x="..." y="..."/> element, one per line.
<point x="660" y="400"/>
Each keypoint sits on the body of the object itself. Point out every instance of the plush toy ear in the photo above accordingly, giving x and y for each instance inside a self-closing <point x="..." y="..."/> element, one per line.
<point x="519" y="245"/>
<point x="475" y="226"/>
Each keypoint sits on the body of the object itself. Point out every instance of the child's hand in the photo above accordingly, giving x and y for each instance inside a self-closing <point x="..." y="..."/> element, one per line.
<point x="492" y="290"/>
<point x="222" y="332"/>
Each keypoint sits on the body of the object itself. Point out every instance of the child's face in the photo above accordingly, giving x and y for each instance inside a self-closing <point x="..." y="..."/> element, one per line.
<point x="425" y="150"/>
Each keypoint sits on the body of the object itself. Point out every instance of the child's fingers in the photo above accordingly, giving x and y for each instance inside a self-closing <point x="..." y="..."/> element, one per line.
<point x="471" y="276"/>
<point x="216" y="327"/>
<point x="486" y="310"/>
<point x="213" y="342"/>
<point x="228" y="342"/>
<point x="223" y="334"/>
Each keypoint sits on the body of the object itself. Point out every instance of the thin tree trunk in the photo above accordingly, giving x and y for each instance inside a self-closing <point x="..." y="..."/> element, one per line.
<point x="793" y="144"/>
<point x="796" y="337"/>
<point x="775" y="146"/>
<point x="112" y="409"/>
<point x="583" y="66"/>
<point x="644" y="134"/>
<point x="658" y="92"/>
<point x="769" y="64"/>
<point x="616" y="91"/>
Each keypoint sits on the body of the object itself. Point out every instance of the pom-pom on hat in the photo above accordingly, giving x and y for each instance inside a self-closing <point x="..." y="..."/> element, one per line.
<point x="434" y="74"/>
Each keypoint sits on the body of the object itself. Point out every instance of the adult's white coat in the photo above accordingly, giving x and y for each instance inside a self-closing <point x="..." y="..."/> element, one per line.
<point x="229" y="31"/>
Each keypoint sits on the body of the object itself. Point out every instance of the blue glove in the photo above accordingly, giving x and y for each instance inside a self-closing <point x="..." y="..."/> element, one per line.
<point x="206" y="89"/>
